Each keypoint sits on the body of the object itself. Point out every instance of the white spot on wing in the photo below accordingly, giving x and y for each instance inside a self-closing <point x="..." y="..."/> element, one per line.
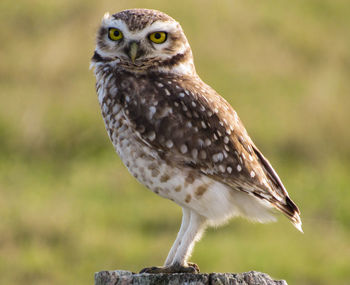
<point x="194" y="153"/>
<point x="183" y="148"/>
<point x="250" y="148"/>
<point x="200" y="142"/>
<point x="152" y="111"/>
<point x="203" y="154"/>
<point x="236" y="117"/>
<point x="169" y="144"/>
<point x="220" y="156"/>
<point x="152" y="136"/>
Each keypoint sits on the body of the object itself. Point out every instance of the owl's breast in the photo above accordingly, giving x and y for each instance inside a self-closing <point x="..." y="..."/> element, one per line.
<point x="139" y="159"/>
<point x="142" y="161"/>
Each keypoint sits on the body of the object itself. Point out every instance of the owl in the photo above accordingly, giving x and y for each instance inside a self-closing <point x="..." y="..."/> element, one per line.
<point x="176" y="135"/>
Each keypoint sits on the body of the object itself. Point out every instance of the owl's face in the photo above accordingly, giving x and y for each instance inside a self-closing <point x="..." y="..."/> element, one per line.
<point x="142" y="39"/>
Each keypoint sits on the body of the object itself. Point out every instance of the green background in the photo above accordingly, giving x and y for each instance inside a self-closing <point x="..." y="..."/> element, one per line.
<point x="69" y="208"/>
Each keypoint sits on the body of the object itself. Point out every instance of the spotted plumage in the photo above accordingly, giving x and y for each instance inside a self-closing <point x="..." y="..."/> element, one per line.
<point x="175" y="134"/>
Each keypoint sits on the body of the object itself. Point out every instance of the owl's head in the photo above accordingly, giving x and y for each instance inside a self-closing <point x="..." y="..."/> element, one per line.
<point x="143" y="39"/>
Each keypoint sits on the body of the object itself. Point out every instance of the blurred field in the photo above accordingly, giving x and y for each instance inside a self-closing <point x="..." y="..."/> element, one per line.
<point x="69" y="208"/>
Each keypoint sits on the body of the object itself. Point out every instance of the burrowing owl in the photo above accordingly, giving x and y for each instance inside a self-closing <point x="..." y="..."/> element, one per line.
<point x="175" y="134"/>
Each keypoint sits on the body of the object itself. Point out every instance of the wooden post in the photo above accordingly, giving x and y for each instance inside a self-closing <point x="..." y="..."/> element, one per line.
<point x="121" y="277"/>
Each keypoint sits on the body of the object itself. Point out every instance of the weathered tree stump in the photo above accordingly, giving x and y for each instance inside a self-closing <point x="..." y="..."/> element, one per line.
<point x="121" y="277"/>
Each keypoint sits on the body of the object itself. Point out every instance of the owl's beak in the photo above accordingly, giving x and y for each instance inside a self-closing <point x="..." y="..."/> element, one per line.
<point x="133" y="50"/>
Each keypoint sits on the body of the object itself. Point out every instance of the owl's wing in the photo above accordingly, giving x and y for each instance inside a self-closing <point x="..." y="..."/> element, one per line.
<point x="189" y="124"/>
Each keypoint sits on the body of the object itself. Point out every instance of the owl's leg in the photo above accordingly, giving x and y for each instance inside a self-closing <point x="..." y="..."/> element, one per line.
<point x="179" y="263"/>
<point x="193" y="233"/>
<point x="184" y="224"/>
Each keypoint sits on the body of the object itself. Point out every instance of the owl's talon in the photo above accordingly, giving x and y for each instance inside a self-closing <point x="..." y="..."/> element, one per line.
<point x="195" y="266"/>
<point x="192" y="268"/>
<point x="149" y="269"/>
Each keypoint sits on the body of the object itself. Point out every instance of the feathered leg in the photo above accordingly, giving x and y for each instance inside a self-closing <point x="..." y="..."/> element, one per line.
<point x="183" y="246"/>
<point x="193" y="233"/>
<point x="184" y="224"/>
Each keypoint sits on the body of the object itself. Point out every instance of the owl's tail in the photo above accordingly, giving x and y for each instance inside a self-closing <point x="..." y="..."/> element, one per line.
<point x="291" y="210"/>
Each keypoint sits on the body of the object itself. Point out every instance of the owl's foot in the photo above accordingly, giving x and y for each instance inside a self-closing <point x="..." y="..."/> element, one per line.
<point x="195" y="266"/>
<point x="175" y="268"/>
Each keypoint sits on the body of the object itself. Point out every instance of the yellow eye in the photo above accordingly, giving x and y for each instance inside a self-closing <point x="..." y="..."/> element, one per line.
<point x="158" y="37"/>
<point x="115" y="34"/>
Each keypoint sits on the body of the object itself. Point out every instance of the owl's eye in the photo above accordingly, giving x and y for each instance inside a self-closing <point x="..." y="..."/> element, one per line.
<point x="115" y="34"/>
<point x="158" y="37"/>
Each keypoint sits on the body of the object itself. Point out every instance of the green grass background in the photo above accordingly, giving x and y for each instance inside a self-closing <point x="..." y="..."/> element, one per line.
<point x="69" y="208"/>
